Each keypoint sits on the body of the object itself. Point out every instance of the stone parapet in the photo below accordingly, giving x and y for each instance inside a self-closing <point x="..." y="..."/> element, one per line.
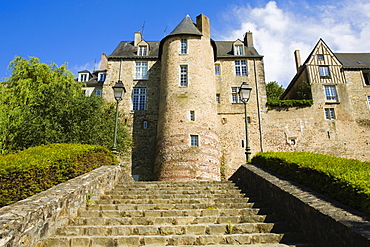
<point x="323" y="222"/>
<point x="26" y="222"/>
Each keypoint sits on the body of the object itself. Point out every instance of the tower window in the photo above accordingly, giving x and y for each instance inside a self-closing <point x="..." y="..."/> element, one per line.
<point x="194" y="140"/>
<point x="139" y="99"/>
<point x="192" y="116"/>
<point x="217" y="69"/>
<point x="145" y="124"/>
<point x="240" y="67"/>
<point x="183" y="46"/>
<point x="218" y="99"/>
<point x="183" y="76"/>
<point x="329" y="113"/>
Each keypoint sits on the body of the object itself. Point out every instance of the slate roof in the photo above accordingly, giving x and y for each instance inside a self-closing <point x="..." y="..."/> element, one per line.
<point x="354" y="60"/>
<point x="186" y="26"/>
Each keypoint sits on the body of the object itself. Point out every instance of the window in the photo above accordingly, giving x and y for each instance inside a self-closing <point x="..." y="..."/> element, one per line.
<point x="235" y="97"/>
<point x="240" y="68"/>
<point x="368" y="101"/>
<point x="102" y="76"/>
<point x="183" y="76"/>
<point x="183" y="46"/>
<point x="145" y="124"/>
<point x="192" y="116"/>
<point x="238" y="50"/>
<point x="98" y="92"/>
<point x="142" y="51"/>
<point x="217" y="69"/>
<point x="324" y="71"/>
<point x="83" y="77"/>
<point x="139" y="99"/>
<point x="320" y="57"/>
<point x="141" y="71"/>
<point x="367" y="78"/>
<point x="331" y="93"/>
<point x="194" y="140"/>
<point x="329" y="113"/>
<point x="218" y="99"/>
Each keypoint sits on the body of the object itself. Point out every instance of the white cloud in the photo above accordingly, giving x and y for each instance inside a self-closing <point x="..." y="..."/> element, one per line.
<point x="90" y="66"/>
<point x="277" y="31"/>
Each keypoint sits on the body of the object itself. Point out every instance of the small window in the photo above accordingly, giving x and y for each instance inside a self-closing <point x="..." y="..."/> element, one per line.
<point x="183" y="76"/>
<point x="192" y="116"/>
<point x="142" y="51"/>
<point x="324" y="71"/>
<point x="240" y="67"/>
<point x="98" y="92"/>
<point x="184" y="46"/>
<point x="239" y="51"/>
<point x="331" y="94"/>
<point x="235" y="97"/>
<point x="194" y="140"/>
<point x="218" y="99"/>
<point x="320" y="57"/>
<point x="368" y="101"/>
<point x="367" y="78"/>
<point x="145" y="124"/>
<point x="217" y="69"/>
<point x="139" y="99"/>
<point x="329" y="113"/>
<point x="84" y="77"/>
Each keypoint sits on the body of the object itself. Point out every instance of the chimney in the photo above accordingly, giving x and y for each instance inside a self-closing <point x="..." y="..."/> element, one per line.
<point x="248" y="39"/>
<point x="103" y="62"/>
<point x="297" y="56"/>
<point x="203" y="25"/>
<point x="137" y="38"/>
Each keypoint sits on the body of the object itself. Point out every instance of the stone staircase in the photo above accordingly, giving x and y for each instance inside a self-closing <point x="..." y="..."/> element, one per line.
<point x="172" y="214"/>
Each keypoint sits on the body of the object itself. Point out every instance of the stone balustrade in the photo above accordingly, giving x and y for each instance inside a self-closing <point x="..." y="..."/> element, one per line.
<point x="26" y="222"/>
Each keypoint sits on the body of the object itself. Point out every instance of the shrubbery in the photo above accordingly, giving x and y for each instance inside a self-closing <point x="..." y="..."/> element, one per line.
<point x="345" y="180"/>
<point x="38" y="168"/>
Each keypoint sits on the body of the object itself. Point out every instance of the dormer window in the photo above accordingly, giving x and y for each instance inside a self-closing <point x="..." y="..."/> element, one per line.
<point x="143" y="50"/>
<point x="239" y="50"/>
<point x="102" y="76"/>
<point x="83" y="77"/>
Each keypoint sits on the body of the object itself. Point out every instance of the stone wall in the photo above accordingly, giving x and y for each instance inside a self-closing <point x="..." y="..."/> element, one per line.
<point x="24" y="223"/>
<point x="323" y="222"/>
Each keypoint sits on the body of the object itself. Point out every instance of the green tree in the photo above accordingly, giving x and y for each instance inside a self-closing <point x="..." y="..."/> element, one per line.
<point x="274" y="90"/>
<point x="43" y="104"/>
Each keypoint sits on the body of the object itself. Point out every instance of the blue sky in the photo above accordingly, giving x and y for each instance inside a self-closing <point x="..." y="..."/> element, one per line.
<point x="77" y="32"/>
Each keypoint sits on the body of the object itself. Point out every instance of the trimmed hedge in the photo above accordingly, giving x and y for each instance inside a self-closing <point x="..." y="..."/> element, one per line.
<point x="273" y="103"/>
<point x="346" y="180"/>
<point x="39" y="168"/>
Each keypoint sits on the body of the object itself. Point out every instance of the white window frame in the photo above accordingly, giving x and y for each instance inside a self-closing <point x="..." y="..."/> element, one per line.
<point x="331" y="94"/>
<point x="184" y="76"/>
<point x="324" y="71"/>
<point x="83" y="77"/>
<point x="141" y="70"/>
<point x="102" y="76"/>
<point x="368" y="101"/>
<point x="241" y="68"/>
<point x="235" y="97"/>
<point x="238" y="50"/>
<point x="329" y="113"/>
<point x="366" y="76"/>
<point x="142" y="50"/>
<point x="194" y="140"/>
<point x="183" y="46"/>
<point x="139" y="99"/>
<point x="217" y="69"/>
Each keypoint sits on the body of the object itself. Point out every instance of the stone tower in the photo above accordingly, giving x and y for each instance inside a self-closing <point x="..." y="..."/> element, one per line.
<point x="187" y="140"/>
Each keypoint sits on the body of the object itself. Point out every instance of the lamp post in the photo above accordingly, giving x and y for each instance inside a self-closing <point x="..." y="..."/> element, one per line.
<point x="244" y="93"/>
<point x="118" y="91"/>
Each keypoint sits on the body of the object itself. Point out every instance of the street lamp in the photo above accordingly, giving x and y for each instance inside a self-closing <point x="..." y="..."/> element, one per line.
<point x="244" y="94"/>
<point x="118" y="91"/>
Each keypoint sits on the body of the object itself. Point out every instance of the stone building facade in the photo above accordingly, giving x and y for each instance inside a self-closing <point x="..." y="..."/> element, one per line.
<point x="186" y="117"/>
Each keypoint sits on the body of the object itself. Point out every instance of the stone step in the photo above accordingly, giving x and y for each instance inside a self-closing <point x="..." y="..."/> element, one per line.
<point x="173" y="194"/>
<point x="169" y="206"/>
<point x="159" y="240"/>
<point x="179" y="187"/>
<point x="175" y="213"/>
<point x="110" y="218"/>
<point x="173" y="201"/>
<point x="190" y="229"/>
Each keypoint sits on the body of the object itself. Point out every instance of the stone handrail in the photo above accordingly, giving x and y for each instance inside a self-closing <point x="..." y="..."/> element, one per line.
<point x="26" y="222"/>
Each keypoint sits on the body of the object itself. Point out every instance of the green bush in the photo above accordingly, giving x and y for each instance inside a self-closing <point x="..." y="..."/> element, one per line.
<point x="39" y="168"/>
<point x="273" y="103"/>
<point x="346" y="180"/>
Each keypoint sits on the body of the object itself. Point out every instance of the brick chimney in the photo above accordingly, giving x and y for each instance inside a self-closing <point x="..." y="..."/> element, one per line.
<point x="297" y="56"/>
<point x="248" y="39"/>
<point x="203" y="24"/>
<point x="103" y="61"/>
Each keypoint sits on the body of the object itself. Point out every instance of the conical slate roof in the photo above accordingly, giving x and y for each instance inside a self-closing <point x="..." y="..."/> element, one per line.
<point x="186" y="26"/>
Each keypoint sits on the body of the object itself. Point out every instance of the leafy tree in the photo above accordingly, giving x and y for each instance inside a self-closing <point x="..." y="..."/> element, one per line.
<point x="274" y="90"/>
<point x="43" y="104"/>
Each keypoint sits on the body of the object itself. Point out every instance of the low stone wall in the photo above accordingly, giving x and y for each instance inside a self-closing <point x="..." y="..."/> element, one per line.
<point x="30" y="220"/>
<point x="323" y="222"/>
